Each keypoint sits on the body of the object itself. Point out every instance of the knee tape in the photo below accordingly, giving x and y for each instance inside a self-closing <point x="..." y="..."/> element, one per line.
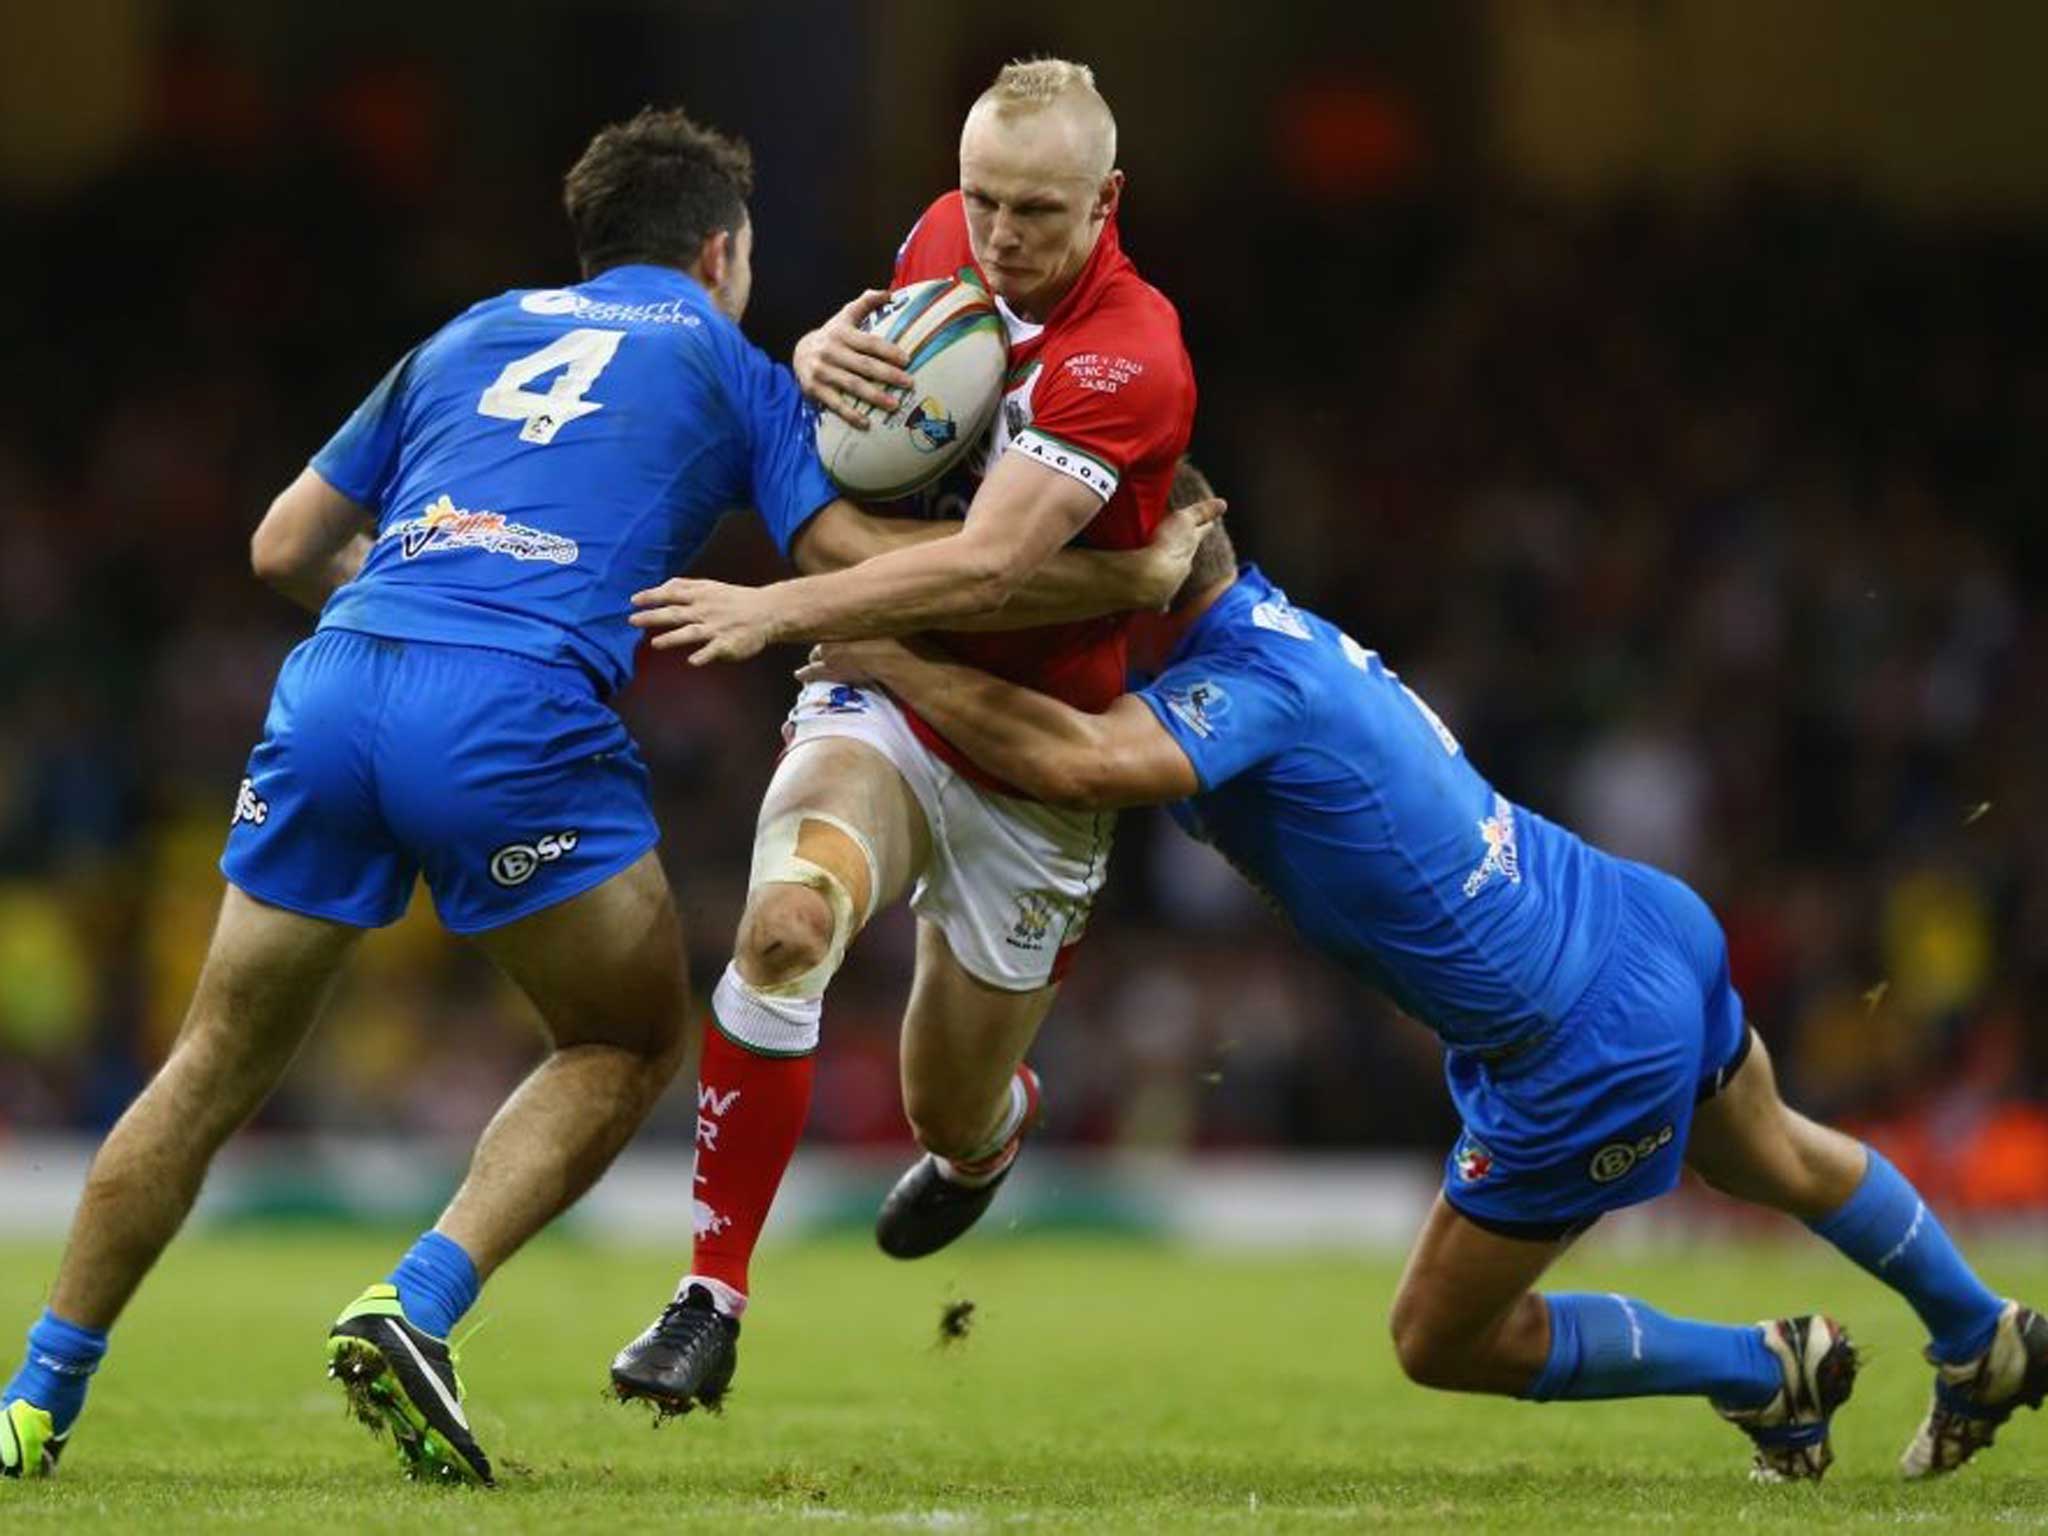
<point x="776" y="862"/>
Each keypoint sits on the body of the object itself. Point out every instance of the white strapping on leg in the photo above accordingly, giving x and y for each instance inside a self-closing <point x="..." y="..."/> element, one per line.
<point x="776" y="862"/>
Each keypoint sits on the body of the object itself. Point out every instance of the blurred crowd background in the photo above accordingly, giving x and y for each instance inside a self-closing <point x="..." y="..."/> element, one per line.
<point x="1662" y="385"/>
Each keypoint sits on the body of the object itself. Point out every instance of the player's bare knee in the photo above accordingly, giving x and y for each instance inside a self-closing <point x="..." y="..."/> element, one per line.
<point x="787" y="931"/>
<point x="811" y="890"/>
<point x="1428" y="1355"/>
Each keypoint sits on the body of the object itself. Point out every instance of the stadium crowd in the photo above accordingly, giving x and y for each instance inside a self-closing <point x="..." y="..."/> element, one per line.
<point x="1714" y="530"/>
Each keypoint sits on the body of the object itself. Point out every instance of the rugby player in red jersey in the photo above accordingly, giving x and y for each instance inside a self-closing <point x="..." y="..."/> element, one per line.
<point x="869" y="802"/>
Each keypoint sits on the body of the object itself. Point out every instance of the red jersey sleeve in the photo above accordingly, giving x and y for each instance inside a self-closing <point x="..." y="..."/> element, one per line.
<point x="1099" y="413"/>
<point x="937" y="245"/>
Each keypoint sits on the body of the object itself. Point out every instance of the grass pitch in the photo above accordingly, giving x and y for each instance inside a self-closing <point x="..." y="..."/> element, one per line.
<point x="1100" y="1387"/>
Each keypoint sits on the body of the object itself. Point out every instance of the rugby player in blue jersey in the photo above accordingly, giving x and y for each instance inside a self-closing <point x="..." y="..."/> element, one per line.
<point x="1593" y="1043"/>
<point x="471" y="539"/>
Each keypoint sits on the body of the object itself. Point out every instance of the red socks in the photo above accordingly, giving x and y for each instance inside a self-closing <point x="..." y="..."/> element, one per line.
<point x="753" y="1094"/>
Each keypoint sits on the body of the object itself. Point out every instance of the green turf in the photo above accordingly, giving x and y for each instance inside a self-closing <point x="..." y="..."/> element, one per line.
<point x="1103" y="1388"/>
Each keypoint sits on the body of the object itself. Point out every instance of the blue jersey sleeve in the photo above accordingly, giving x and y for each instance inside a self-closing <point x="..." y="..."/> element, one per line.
<point x="789" y="480"/>
<point x="361" y="458"/>
<point x="1228" y="712"/>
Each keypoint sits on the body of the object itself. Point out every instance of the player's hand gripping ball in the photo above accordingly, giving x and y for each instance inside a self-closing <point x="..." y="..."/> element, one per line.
<point x="953" y="338"/>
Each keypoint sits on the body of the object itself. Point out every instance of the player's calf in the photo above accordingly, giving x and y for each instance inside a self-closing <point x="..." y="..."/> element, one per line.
<point x="941" y="1196"/>
<point x="1502" y="1357"/>
<point x="814" y="883"/>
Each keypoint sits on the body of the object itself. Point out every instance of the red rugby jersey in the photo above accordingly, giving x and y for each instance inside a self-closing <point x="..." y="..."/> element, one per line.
<point x="1104" y="392"/>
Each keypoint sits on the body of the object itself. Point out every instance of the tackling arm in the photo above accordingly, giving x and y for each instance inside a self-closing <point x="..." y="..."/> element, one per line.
<point x="311" y="541"/>
<point x="1050" y="750"/>
<point x="1074" y="584"/>
<point x="1021" y="515"/>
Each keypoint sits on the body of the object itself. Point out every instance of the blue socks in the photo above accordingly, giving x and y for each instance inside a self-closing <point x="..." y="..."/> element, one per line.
<point x="60" y="1363"/>
<point x="1616" y="1346"/>
<point x="1887" y="1229"/>
<point x="436" y="1284"/>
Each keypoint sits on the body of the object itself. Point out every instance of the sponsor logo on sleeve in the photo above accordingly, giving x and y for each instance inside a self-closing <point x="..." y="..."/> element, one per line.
<point x="1200" y="705"/>
<point x="516" y="863"/>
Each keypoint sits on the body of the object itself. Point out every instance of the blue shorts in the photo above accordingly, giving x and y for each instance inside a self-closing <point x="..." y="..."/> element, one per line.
<point x="1594" y="1116"/>
<point x="504" y="780"/>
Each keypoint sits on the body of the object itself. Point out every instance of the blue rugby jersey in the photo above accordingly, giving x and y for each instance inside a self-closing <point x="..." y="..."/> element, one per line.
<point x="550" y="452"/>
<point x="1337" y="791"/>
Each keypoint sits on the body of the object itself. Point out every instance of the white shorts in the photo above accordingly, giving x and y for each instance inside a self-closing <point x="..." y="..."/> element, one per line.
<point x="1011" y="881"/>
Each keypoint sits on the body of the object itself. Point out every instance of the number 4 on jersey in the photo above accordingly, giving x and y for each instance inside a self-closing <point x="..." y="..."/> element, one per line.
<point x="581" y="354"/>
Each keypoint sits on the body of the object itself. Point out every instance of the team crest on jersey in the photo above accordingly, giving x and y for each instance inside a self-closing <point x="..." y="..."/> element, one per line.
<point x="1503" y="857"/>
<point x="1199" y="705"/>
<point x="443" y="525"/>
<point x="929" y="426"/>
<point x="1473" y="1160"/>
<point x="1035" y="913"/>
<point x="249" y="806"/>
<point x="1011" y="421"/>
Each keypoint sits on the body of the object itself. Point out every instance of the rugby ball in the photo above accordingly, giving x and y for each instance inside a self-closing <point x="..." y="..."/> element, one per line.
<point x="950" y="329"/>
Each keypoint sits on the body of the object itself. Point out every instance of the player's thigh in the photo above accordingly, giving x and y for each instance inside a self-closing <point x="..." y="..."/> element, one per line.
<point x="266" y="973"/>
<point x="606" y="967"/>
<point x="963" y="1039"/>
<point x="1747" y="1142"/>
<point x="826" y="792"/>
<point x="1462" y="1281"/>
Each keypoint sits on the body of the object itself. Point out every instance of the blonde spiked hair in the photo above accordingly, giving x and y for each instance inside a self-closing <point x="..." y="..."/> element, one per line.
<point x="1032" y="85"/>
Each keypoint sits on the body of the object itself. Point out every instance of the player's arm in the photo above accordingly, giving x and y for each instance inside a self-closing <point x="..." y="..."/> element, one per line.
<point x="1074" y="584"/>
<point x="317" y="533"/>
<point x="824" y="536"/>
<point x="1022" y="514"/>
<point x="311" y="540"/>
<point x="1050" y="750"/>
